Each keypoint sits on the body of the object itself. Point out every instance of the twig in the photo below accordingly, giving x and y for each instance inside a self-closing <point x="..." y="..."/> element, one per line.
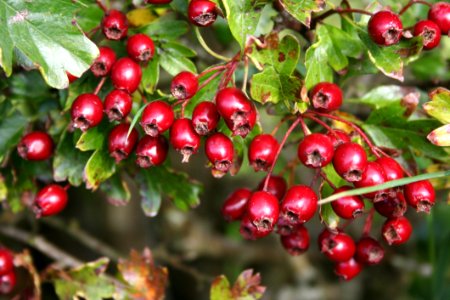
<point x="410" y="3"/>
<point x="206" y="47"/>
<point x="99" y="86"/>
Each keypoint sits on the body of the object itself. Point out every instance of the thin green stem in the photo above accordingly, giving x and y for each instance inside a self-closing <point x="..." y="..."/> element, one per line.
<point x="206" y="47"/>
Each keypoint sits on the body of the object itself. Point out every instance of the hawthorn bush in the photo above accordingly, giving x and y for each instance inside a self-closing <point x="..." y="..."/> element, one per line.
<point x="333" y="120"/>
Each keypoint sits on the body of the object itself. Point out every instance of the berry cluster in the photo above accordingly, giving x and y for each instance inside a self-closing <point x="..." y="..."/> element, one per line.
<point x="7" y="273"/>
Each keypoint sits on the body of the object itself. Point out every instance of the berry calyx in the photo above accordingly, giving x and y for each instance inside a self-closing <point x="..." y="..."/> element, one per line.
<point x="151" y="151"/>
<point x="297" y="242"/>
<point x="392" y="205"/>
<point x="117" y="105"/>
<point x="420" y="195"/>
<point x="348" y="270"/>
<point x="326" y="97"/>
<point x="86" y="111"/>
<point x="385" y="28"/>
<point x="140" y="47"/>
<point x="103" y="63"/>
<point x="6" y="261"/>
<point x="126" y="75"/>
<point x="50" y="200"/>
<point x="391" y="167"/>
<point x="119" y="145"/>
<point x="157" y="117"/>
<point x="430" y="33"/>
<point x="299" y="205"/>
<point x="277" y="186"/>
<point x="263" y="210"/>
<point x="205" y="117"/>
<point x="315" y="150"/>
<point x="7" y="282"/>
<point x="36" y="145"/>
<point x="114" y="25"/>
<point x="349" y="207"/>
<point x="249" y="231"/>
<point x="184" y="85"/>
<point x="373" y="175"/>
<point x="369" y="251"/>
<point x="220" y="151"/>
<point x="235" y="205"/>
<point x="337" y="247"/>
<point x="184" y="138"/>
<point x="338" y="137"/>
<point x="350" y="161"/>
<point x="262" y="151"/>
<point x="440" y="14"/>
<point x="396" y="231"/>
<point x="202" y="12"/>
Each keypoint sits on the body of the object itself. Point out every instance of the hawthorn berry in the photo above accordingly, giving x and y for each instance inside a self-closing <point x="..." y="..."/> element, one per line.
<point x="326" y="97"/>
<point x="126" y="75"/>
<point x="348" y="270"/>
<point x="114" y="25"/>
<point x="151" y="151"/>
<point x="392" y="205"/>
<point x="315" y="150"/>
<point x="385" y="28"/>
<point x="202" y="12"/>
<point x="36" y="145"/>
<point x="338" y="247"/>
<point x="373" y="175"/>
<point x="277" y="186"/>
<point x="338" y="137"/>
<point x="86" y="111"/>
<point x="348" y="207"/>
<point x="7" y="282"/>
<point x="50" y="200"/>
<point x="263" y="210"/>
<point x="299" y="205"/>
<point x="220" y="151"/>
<point x="249" y="231"/>
<point x="430" y="32"/>
<point x="184" y="138"/>
<point x="205" y="117"/>
<point x="350" y="161"/>
<point x="157" y="117"/>
<point x="234" y="206"/>
<point x="396" y="231"/>
<point x="117" y="105"/>
<point x="119" y="145"/>
<point x="103" y="63"/>
<point x="297" y="242"/>
<point x="140" y="47"/>
<point x="420" y="195"/>
<point x="391" y="167"/>
<point x="440" y="14"/>
<point x="6" y="261"/>
<point x="262" y="151"/>
<point x="369" y="251"/>
<point x="184" y="85"/>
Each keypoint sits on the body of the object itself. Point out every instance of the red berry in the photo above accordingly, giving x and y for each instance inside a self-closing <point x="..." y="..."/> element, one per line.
<point x="151" y="151"/>
<point x="315" y="150"/>
<point x="373" y="175"/>
<point x="391" y="167"/>
<point x="157" y="117"/>
<point x="348" y="270"/>
<point x="7" y="282"/>
<point x="338" y="137"/>
<point x="220" y="151"/>
<point x="87" y="111"/>
<point x="350" y="161"/>
<point x="158" y="1"/>
<point x="114" y="25"/>
<point x="140" y="47"/>
<point x="6" y="261"/>
<point x="262" y="151"/>
<point x="430" y="32"/>
<point x="184" y="138"/>
<point x="202" y="12"/>
<point x="238" y="112"/>
<point x="205" y="117"/>
<point x="71" y="77"/>
<point x="297" y="242"/>
<point x="234" y="206"/>
<point x="299" y="205"/>
<point x="440" y="14"/>
<point x="249" y="231"/>
<point x="277" y="186"/>
<point x="385" y="28"/>
<point x="392" y="205"/>
<point x="420" y="195"/>
<point x="118" y="105"/>
<point x="184" y="85"/>
<point x="348" y="207"/>
<point x="119" y="145"/>
<point x="338" y="246"/>
<point x="126" y="75"/>
<point x="103" y="63"/>
<point x="369" y="251"/>
<point x="35" y="145"/>
<point x="263" y="210"/>
<point x="396" y="231"/>
<point x="326" y="97"/>
<point x="50" y="200"/>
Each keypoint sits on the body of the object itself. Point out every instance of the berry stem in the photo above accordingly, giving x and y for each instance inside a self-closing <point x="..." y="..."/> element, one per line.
<point x="101" y="5"/>
<point x="314" y="179"/>
<point x="410" y="3"/>
<point x="325" y="177"/>
<point x="91" y="32"/>
<point x="206" y="47"/>
<point x="277" y="127"/>
<point x="368" y="223"/>
<point x="339" y="11"/>
<point x="244" y="83"/>
<point x="99" y="86"/>
<point x="207" y="81"/>
<point x="305" y="128"/>
<point x="213" y="69"/>
<point x="323" y="124"/>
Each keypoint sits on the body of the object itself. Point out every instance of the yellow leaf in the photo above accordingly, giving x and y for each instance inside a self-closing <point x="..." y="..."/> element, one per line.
<point x="140" y="17"/>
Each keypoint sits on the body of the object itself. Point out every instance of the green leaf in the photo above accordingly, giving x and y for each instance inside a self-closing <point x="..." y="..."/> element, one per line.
<point x="116" y="190"/>
<point x="386" y="95"/>
<point x="150" y="75"/>
<point x="45" y="35"/>
<point x="302" y="9"/>
<point x="99" y="167"/>
<point x="439" y="106"/>
<point x="11" y="128"/>
<point x="179" y="49"/>
<point x="327" y="214"/>
<point x="165" y="29"/>
<point x="174" y="63"/>
<point x="94" y="138"/>
<point x="266" y="23"/>
<point x="220" y="289"/>
<point x="150" y="192"/>
<point x="246" y="287"/>
<point x="317" y="66"/>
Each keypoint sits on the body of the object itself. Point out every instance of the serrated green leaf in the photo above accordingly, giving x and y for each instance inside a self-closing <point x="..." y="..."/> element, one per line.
<point x="266" y="23"/>
<point x="99" y="167"/>
<point x="317" y="66"/>
<point x="386" y="95"/>
<point x="165" y="29"/>
<point x="175" y="63"/>
<point x="439" y="106"/>
<point x="179" y="49"/>
<point x="150" y="75"/>
<point x="150" y="192"/>
<point x="94" y="138"/>
<point x="302" y="9"/>
<point x="11" y="128"/>
<point x="116" y="190"/>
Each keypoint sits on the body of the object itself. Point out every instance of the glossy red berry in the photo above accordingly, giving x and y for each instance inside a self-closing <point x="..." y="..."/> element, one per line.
<point x="184" y="85"/>
<point x="36" y="145"/>
<point x="114" y="25"/>
<point x="338" y="137"/>
<point x="348" y="207"/>
<point x="158" y="1"/>
<point x="126" y="75"/>
<point x="117" y="105"/>
<point x="299" y="205"/>
<point x="140" y="47"/>
<point x="157" y="117"/>
<point x="6" y="261"/>
<point x="348" y="270"/>
<point x="350" y="161"/>
<point x="120" y="147"/>
<point x="202" y="12"/>
<point x="373" y="175"/>
<point x="151" y="151"/>
<point x="337" y="246"/>
<point x="184" y="138"/>
<point x="220" y="151"/>
<point x="420" y="195"/>
<point x="396" y="231"/>
<point x="392" y="205"/>
<point x="86" y="111"/>
<point x="235" y="205"/>
<point x="369" y="251"/>
<point x="237" y="110"/>
<point x="385" y="28"/>
<point x="277" y="186"/>
<point x="249" y="231"/>
<point x="7" y="282"/>
<point x="297" y="242"/>
<point x="315" y="150"/>
<point x="326" y="97"/>
<point x="262" y="151"/>
<point x="50" y="200"/>
<point x="430" y="32"/>
<point x="391" y="167"/>
<point x="205" y="117"/>
<point x="103" y="63"/>
<point x="440" y="14"/>
<point x="263" y="211"/>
